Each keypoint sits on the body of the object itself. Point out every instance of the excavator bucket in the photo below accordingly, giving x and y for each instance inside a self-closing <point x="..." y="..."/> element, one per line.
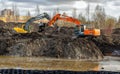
<point x="19" y="30"/>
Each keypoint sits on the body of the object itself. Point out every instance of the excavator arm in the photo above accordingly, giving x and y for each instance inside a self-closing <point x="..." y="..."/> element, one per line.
<point x="64" y="18"/>
<point x="70" y="19"/>
<point x="41" y="16"/>
<point x="25" y="29"/>
<point x="54" y="19"/>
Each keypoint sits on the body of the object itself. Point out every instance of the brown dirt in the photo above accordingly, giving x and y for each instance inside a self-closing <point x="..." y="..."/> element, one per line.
<point x="58" y="45"/>
<point x="108" y="44"/>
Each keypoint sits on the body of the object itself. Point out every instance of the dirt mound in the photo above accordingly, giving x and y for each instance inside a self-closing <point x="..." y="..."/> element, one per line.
<point x="116" y="31"/>
<point x="51" y="46"/>
<point x="108" y="44"/>
<point x="57" y="44"/>
<point x="60" y="45"/>
<point x="2" y="24"/>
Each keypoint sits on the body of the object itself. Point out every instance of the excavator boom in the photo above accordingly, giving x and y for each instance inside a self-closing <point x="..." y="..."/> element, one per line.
<point x="70" y="19"/>
<point x="64" y="18"/>
<point x="41" y="16"/>
<point x="54" y="19"/>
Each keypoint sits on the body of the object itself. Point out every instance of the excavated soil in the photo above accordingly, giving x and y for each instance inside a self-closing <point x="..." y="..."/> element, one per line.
<point x="56" y="44"/>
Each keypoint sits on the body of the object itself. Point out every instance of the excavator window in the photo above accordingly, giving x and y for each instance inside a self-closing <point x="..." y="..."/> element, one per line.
<point x="82" y="28"/>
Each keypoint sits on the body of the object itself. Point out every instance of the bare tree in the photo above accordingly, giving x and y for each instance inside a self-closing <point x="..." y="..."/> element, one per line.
<point x="99" y="17"/>
<point x="55" y="11"/>
<point x="3" y="4"/>
<point x="14" y="8"/>
<point x="88" y="13"/>
<point x="37" y="10"/>
<point x="118" y="23"/>
<point x="110" y="24"/>
<point x="74" y="13"/>
<point x="119" y="20"/>
<point x="28" y="13"/>
<point x="15" y="12"/>
<point x="82" y="18"/>
<point x="64" y="13"/>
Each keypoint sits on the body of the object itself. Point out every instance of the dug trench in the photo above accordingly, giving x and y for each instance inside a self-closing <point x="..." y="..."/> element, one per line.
<point x="57" y="44"/>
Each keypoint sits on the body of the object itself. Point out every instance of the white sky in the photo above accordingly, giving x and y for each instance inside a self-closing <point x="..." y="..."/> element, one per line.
<point x="112" y="7"/>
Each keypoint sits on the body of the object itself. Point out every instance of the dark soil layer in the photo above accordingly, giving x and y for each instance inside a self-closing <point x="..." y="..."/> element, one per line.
<point x="56" y="44"/>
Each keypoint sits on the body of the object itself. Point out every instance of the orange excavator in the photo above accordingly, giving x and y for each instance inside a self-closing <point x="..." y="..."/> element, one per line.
<point x="64" y="18"/>
<point x="80" y="29"/>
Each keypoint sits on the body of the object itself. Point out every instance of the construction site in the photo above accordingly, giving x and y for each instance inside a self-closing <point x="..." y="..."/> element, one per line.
<point x="59" y="42"/>
<point x="53" y="43"/>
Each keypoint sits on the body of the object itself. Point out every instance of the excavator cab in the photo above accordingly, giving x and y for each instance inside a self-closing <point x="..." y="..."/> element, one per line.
<point x="79" y="30"/>
<point x="82" y="28"/>
<point x="83" y="31"/>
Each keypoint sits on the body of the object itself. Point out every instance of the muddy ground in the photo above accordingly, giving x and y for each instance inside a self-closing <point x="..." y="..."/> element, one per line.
<point x="56" y="44"/>
<point x="38" y="63"/>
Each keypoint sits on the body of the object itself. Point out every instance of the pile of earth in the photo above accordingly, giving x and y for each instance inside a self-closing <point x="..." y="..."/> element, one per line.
<point x="56" y="44"/>
<point x="108" y="44"/>
<point x="35" y="44"/>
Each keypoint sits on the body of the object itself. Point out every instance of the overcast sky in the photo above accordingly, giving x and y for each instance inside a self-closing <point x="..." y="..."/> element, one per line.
<point x="112" y="7"/>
